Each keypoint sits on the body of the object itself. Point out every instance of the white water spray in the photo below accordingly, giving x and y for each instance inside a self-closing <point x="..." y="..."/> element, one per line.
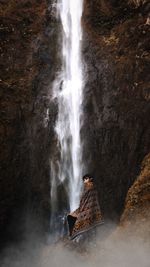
<point x="69" y="98"/>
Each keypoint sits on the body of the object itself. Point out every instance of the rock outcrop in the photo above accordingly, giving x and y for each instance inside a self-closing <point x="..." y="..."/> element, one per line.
<point x="116" y="126"/>
<point x="136" y="215"/>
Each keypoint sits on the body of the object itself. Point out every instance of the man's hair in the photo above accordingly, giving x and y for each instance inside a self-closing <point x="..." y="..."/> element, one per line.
<point x="88" y="176"/>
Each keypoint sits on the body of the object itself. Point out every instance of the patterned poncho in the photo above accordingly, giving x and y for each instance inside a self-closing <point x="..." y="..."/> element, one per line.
<point x="87" y="216"/>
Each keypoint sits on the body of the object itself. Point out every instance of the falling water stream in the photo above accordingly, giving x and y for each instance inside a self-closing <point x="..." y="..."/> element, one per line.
<point x="69" y="98"/>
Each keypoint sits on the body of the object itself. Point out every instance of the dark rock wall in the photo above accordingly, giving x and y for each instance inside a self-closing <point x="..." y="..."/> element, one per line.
<point x="116" y="104"/>
<point x="28" y="67"/>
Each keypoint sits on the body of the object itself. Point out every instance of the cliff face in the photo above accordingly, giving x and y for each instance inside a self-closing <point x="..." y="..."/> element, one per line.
<point x="117" y="96"/>
<point x="116" y="104"/>
<point x="28" y="66"/>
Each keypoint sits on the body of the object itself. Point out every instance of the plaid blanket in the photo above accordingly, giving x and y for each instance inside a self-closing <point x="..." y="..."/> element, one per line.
<point x="87" y="216"/>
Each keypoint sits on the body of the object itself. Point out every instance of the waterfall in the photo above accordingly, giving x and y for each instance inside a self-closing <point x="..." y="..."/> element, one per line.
<point x="67" y="169"/>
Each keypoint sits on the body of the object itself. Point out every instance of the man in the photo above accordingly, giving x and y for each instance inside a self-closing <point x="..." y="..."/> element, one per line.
<point x="88" y="215"/>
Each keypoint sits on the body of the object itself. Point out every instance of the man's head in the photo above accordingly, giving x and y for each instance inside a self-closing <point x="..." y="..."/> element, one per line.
<point x="88" y="178"/>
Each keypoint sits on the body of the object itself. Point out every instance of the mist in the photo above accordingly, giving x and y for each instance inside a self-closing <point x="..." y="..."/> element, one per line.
<point x="108" y="250"/>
